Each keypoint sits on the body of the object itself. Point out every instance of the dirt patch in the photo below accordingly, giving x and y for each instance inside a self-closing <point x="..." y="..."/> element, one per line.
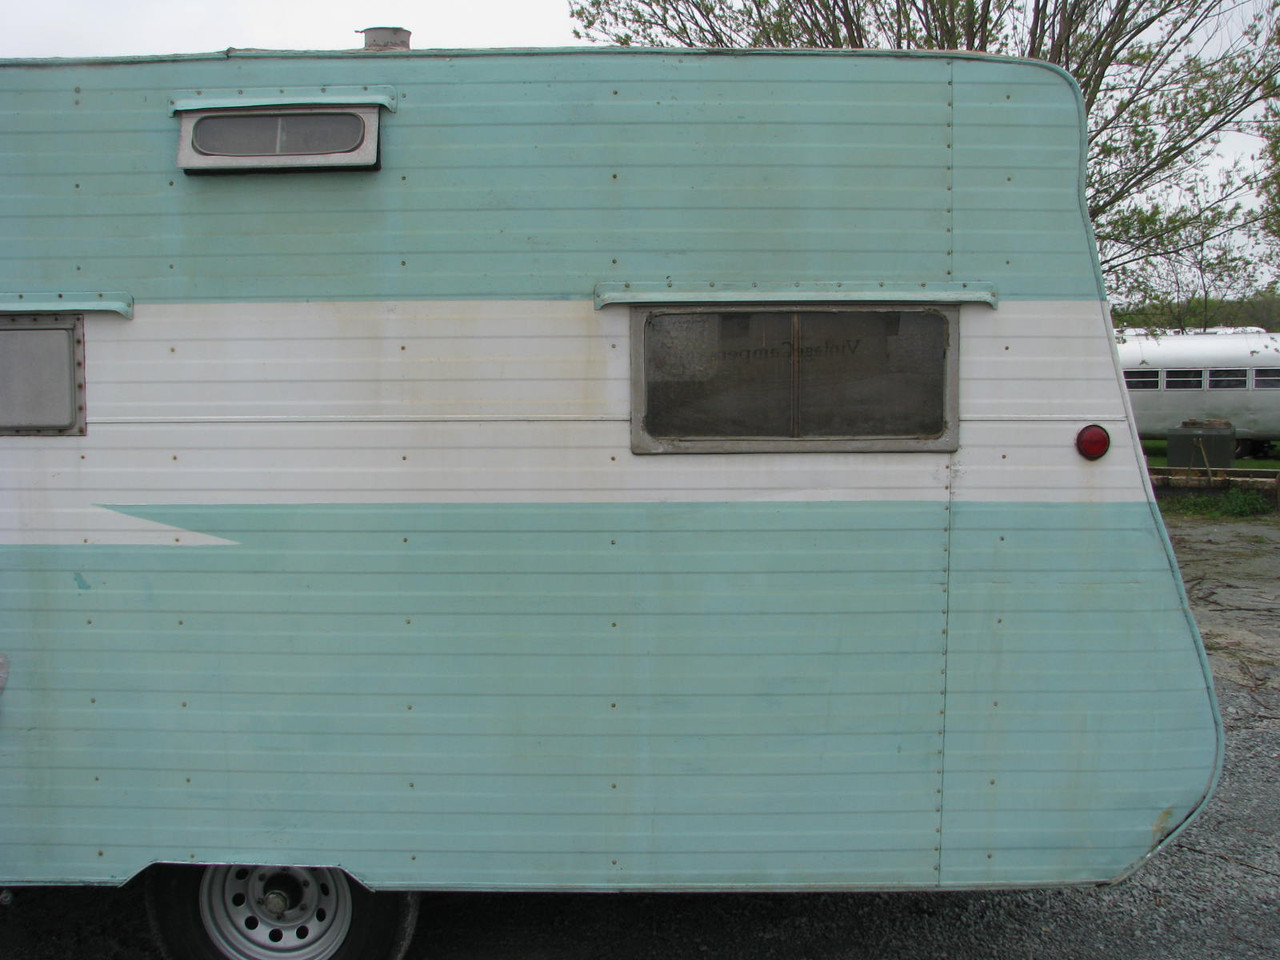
<point x="1231" y="569"/>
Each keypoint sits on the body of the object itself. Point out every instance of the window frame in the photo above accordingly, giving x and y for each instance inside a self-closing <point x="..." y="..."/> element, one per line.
<point x="1142" y="378"/>
<point x="366" y="156"/>
<point x="1266" y="378"/>
<point x="73" y="324"/>
<point x="947" y="440"/>
<point x="1190" y="378"/>
<point x="1228" y="378"/>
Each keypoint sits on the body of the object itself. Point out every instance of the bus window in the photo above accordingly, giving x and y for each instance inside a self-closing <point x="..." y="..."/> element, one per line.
<point x="1183" y="379"/>
<point x="1235" y="378"/>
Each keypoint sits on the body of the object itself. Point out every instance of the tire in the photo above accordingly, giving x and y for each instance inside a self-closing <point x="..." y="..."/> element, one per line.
<point x="254" y="912"/>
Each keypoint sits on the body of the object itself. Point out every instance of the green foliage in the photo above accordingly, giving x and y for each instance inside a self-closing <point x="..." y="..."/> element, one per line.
<point x="1262" y="309"/>
<point x="1269" y="181"/>
<point x="1163" y="81"/>
<point x="1235" y="502"/>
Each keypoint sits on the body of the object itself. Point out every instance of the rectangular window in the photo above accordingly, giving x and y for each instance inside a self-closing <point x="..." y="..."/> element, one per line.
<point x="42" y="375"/>
<point x="1142" y="379"/>
<point x="764" y="379"/>
<point x="1267" y="378"/>
<point x="1183" y="379"/>
<point x="1234" y="378"/>
<point x="255" y="138"/>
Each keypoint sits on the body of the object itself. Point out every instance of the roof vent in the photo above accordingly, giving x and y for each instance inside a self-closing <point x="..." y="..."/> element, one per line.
<point x="385" y="38"/>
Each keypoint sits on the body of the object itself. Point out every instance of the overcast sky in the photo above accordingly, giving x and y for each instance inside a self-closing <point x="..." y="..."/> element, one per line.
<point x="93" y="28"/>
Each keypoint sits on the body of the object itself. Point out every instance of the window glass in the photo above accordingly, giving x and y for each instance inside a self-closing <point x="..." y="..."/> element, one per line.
<point x="1235" y="378"/>
<point x="42" y="375"/>
<point x="293" y="137"/>
<point x="262" y="135"/>
<point x="1267" y="378"/>
<point x="1183" y="379"/>
<point x="768" y="374"/>
<point x="1142" y="379"/>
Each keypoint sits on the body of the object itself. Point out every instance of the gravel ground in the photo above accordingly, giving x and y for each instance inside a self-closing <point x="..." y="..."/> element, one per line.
<point x="1214" y="894"/>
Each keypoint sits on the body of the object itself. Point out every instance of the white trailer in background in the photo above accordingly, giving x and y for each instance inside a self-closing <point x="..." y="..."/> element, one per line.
<point x="1208" y="376"/>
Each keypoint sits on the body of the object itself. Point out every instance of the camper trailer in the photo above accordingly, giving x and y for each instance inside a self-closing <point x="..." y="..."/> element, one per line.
<point x="568" y="470"/>
<point x="1214" y="376"/>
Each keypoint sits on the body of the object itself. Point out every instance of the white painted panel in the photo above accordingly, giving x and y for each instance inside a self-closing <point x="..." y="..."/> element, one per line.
<point x="1028" y="461"/>
<point x="426" y="359"/>
<point x="1031" y="359"/>
<point x="509" y="402"/>
<point x="46" y="488"/>
<point x="396" y="359"/>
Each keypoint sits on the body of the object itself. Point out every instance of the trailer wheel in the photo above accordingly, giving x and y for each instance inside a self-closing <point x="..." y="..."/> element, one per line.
<point x="248" y="912"/>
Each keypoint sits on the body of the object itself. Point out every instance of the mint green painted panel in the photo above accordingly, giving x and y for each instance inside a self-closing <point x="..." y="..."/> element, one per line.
<point x="495" y="695"/>
<point x="539" y="175"/>
<point x="606" y="696"/>
<point x="1081" y="725"/>
<point x="1024" y="196"/>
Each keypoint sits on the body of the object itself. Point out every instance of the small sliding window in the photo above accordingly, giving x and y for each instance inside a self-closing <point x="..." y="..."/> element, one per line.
<point x="767" y="379"/>
<point x="42" y="375"/>
<point x="279" y="138"/>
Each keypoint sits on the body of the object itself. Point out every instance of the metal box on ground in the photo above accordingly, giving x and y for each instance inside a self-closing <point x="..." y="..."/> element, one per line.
<point x="1210" y="444"/>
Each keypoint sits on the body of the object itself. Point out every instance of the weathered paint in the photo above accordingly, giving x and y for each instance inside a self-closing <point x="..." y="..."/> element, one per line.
<point x="355" y="566"/>
<point x="543" y="174"/>
<point x="661" y="694"/>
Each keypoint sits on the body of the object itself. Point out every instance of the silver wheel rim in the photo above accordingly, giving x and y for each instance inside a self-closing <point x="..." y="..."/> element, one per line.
<point x="270" y="913"/>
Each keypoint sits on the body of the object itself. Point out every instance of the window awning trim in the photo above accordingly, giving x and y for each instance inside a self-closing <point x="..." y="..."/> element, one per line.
<point x="230" y="99"/>
<point x="832" y="291"/>
<point x="68" y="302"/>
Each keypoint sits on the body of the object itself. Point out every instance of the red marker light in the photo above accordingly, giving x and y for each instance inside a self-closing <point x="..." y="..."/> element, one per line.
<point x="1092" y="442"/>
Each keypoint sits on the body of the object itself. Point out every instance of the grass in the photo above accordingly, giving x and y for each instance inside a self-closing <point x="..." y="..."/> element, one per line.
<point x="1233" y="503"/>
<point x="1157" y="456"/>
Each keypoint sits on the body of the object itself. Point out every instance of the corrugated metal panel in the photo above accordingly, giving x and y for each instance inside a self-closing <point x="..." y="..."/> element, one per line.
<point x="379" y="583"/>
<point x="1073" y="686"/>
<point x="534" y="695"/>
<point x="540" y="175"/>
